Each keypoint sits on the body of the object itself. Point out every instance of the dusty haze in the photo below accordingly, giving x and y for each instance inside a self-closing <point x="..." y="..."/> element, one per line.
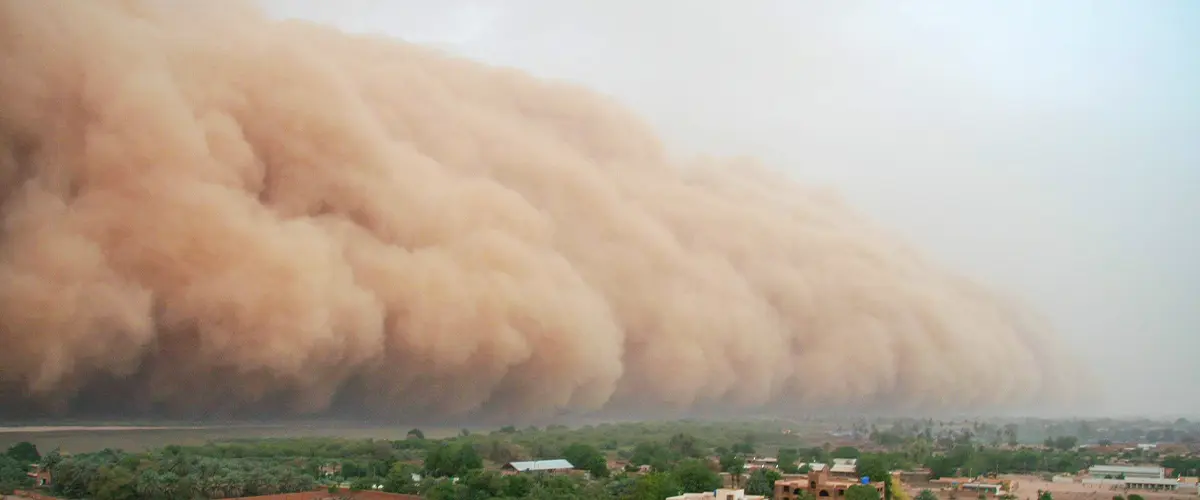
<point x="209" y="213"/>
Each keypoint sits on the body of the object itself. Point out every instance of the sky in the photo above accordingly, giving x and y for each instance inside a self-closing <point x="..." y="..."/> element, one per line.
<point x="1045" y="148"/>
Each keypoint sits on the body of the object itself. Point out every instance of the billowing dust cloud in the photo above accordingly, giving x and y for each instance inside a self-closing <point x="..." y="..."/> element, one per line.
<point x="208" y="212"/>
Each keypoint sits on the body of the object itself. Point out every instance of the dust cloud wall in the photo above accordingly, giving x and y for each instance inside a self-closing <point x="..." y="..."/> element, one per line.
<point x="206" y="212"/>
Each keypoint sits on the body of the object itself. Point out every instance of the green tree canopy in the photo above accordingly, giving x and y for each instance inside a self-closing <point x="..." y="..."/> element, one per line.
<point x="12" y="474"/>
<point x="24" y="452"/>
<point x="873" y="467"/>
<point x="684" y="445"/>
<point x="653" y="454"/>
<point x="861" y="492"/>
<point x="588" y="458"/>
<point x="655" y="486"/>
<point x="695" y="476"/>
<point x="846" y="452"/>
<point x="762" y="482"/>
<point x="454" y="459"/>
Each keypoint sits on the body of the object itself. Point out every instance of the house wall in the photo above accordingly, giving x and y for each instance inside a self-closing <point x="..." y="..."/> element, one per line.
<point x="819" y="484"/>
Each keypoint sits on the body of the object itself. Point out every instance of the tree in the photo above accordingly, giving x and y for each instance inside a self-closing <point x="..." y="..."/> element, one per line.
<point x="762" y="482"/>
<point x="745" y="448"/>
<point x="861" y="492"/>
<point x="517" y="486"/>
<point x="926" y="495"/>
<point x="895" y="491"/>
<point x="734" y="465"/>
<point x="24" y="452"/>
<point x="400" y="479"/>
<point x="1134" y="496"/>
<point x="1045" y="495"/>
<point x="873" y="467"/>
<point x="588" y="458"/>
<point x="114" y="483"/>
<point x="1065" y="443"/>
<point x="415" y="434"/>
<point x="12" y="474"/>
<point x="846" y="452"/>
<point x="363" y="483"/>
<point x="684" y="444"/>
<point x="655" y="486"/>
<point x="787" y="460"/>
<point x="1010" y="433"/>
<point x="694" y="476"/>
<point x="653" y="454"/>
<point x="452" y="460"/>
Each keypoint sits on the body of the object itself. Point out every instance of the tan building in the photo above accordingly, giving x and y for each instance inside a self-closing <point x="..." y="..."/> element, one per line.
<point x="820" y="484"/>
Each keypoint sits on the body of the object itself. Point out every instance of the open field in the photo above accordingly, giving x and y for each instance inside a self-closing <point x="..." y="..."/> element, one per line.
<point x="1026" y="487"/>
<point x="83" y="438"/>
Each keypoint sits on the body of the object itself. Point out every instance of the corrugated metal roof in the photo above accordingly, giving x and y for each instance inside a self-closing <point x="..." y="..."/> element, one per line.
<point x="536" y="465"/>
<point x="1109" y="469"/>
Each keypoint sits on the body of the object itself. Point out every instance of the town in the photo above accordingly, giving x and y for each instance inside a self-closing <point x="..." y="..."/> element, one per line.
<point x="780" y="459"/>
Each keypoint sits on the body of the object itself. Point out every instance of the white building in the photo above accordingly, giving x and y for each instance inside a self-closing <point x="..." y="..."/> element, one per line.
<point x="1132" y="477"/>
<point x="549" y="466"/>
<point x="721" y="494"/>
<point x="1126" y="472"/>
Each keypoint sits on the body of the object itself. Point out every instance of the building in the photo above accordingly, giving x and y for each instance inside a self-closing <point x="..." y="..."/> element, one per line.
<point x="556" y="466"/>
<point x="916" y="478"/>
<point x="847" y="467"/>
<point x="979" y="485"/>
<point x="330" y="469"/>
<point x="1131" y="477"/>
<point x="41" y="477"/>
<point x="819" y="483"/>
<point x="1153" y="484"/>
<point x="721" y="494"/>
<point x="995" y="488"/>
<point x="1126" y="472"/>
<point x="762" y="463"/>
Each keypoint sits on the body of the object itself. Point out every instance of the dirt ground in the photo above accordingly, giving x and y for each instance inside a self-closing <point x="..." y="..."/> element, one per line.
<point x="1026" y="488"/>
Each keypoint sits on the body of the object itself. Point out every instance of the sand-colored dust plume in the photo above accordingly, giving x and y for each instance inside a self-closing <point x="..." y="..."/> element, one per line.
<point x="209" y="212"/>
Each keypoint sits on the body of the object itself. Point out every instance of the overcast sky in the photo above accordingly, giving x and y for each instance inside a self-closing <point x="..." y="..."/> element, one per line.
<point x="1051" y="149"/>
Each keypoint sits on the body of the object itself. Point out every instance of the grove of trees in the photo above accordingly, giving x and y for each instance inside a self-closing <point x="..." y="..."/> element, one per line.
<point x="685" y="456"/>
